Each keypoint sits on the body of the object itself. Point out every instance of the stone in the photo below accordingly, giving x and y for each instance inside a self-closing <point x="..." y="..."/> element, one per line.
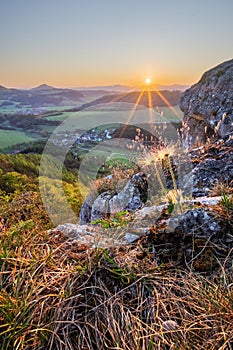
<point x="212" y="163"/>
<point x="85" y="213"/>
<point x="199" y="239"/>
<point x="197" y="221"/>
<point x="208" y="106"/>
<point x="100" y="207"/>
<point x="131" y="197"/>
<point x="131" y="237"/>
<point x="83" y="233"/>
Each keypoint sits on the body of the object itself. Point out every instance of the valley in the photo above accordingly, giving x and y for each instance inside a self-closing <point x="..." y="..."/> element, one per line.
<point x="28" y="116"/>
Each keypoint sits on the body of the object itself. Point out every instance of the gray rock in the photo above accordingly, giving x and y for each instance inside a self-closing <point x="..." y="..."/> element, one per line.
<point x="86" y="234"/>
<point x="197" y="239"/>
<point x="196" y="222"/>
<point x="132" y="237"/>
<point x="214" y="165"/>
<point x="130" y="198"/>
<point x="208" y="106"/>
<point x="175" y="236"/>
<point x="85" y="213"/>
<point x="100" y="207"/>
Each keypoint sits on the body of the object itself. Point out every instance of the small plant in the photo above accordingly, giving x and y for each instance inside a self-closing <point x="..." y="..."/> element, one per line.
<point x="120" y="219"/>
<point x="227" y="201"/>
<point x="124" y="274"/>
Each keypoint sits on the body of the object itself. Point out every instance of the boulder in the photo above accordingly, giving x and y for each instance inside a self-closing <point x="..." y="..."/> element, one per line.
<point x="130" y="198"/>
<point x="200" y="238"/>
<point x="208" y="106"/>
<point x="100" y="207"/>
<point x="85" y="234"/>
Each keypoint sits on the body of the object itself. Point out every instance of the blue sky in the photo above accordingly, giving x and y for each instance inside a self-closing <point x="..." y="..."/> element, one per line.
<point x="98" y="42"/>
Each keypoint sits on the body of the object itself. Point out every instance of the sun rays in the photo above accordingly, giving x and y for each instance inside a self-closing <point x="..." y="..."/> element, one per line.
<point x="132" y="112"/>
<point x="151" y="91"/>
<point x="159" y="93"/>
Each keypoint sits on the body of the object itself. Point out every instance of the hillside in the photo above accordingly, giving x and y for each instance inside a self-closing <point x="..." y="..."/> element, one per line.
<point x="39" y="97"/>
<point x="159" y="99"/>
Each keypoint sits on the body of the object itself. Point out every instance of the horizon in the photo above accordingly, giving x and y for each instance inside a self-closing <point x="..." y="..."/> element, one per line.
<point x="114" y="85"/>
<point x="84" y="43"/>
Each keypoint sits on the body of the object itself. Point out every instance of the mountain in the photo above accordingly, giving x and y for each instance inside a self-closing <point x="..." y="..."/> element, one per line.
<point x="125" y="88"/>
<point x="43" y="87"/>
<point x="161" y="99"/>
<point x="3" y="88"/>
<point x="42" y="96"/>
<point x="172" y="87"/>
<point x="107" y="88"/>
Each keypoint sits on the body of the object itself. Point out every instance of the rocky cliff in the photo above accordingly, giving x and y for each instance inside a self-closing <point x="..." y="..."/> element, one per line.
<point x="208" y="106"/>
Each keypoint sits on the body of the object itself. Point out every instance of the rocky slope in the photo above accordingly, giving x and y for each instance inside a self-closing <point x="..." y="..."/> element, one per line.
<point x="208" y="106"/>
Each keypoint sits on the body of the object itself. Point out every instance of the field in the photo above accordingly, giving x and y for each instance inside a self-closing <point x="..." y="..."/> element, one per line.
<point x="9" y="138"/>
<point x="89" y="119"/>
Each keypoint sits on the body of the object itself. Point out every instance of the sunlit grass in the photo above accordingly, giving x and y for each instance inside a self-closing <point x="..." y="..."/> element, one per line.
<point x="55" y="294"/>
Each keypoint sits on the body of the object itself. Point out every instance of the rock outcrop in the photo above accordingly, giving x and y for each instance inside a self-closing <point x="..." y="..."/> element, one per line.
<point x="208" y="106"/>
<point x="212" y="164"/>
<point x="200" y="238"/>
<point x="142" y="220"/>
<point x="131" y="198"/>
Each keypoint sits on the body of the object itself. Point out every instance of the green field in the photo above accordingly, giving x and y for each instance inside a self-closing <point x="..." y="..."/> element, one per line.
<point x="87" y="119"/>
<point x="10" y="138"/>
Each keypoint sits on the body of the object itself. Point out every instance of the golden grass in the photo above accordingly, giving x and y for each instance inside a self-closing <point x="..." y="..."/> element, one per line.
<point x="57" y="294"/>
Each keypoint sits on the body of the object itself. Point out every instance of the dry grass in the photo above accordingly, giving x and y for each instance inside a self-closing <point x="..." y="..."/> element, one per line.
<point x="221" y="188"/>
<point x="56" y="294"/>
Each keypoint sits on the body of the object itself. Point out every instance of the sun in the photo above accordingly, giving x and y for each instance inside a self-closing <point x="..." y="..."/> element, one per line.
<point x="148" y="81"/>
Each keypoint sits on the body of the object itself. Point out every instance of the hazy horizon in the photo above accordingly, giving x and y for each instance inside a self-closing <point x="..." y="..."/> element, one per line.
<point x="84" y="43"/>
<point x="114" y="85"/>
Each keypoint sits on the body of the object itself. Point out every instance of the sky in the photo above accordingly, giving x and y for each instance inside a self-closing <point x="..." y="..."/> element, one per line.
<point x="70" y="43"/>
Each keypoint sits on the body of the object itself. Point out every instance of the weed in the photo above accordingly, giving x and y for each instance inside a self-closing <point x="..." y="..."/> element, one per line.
<point x="120" y="219"/>
<point x="227" y="201"/>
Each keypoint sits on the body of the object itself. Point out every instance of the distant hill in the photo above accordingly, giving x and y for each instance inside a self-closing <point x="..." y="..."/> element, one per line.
<point x="40" y="96"/>
<point x="125" y="88"/>
<point x="161" y="99"/>
<point x="107" y="88"/>
<point x="43" y="87"/>
<point x="3" y="88"/>
<point x="172" y="87"/>
<point x="44" y="97"/>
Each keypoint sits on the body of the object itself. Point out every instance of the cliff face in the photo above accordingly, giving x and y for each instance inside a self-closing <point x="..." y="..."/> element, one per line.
<point x="208" y="106"/>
